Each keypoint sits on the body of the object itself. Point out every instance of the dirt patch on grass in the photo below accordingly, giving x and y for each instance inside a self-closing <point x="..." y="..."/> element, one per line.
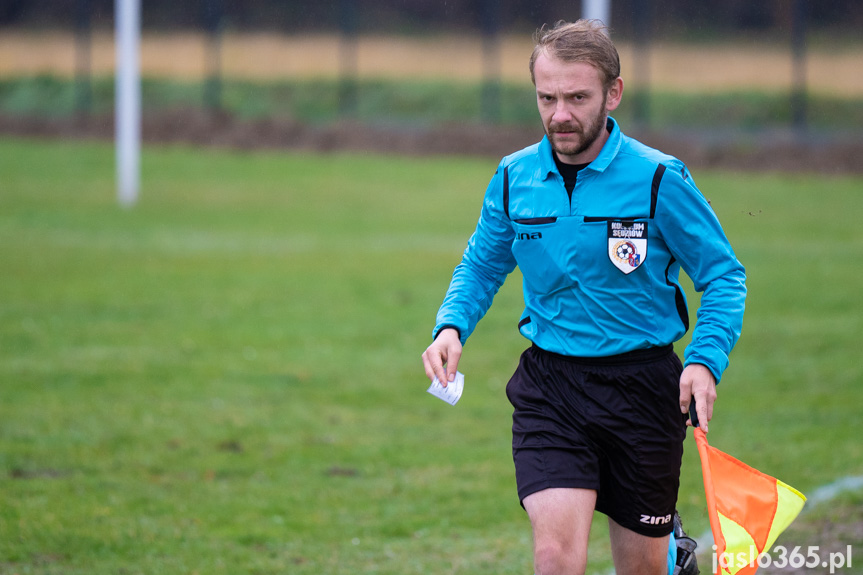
<point x="780" y="151"/>
<point x="265" y="57"/>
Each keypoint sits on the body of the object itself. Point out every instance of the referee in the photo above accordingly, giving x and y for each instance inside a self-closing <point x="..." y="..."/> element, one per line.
<point x="600" y="226"/>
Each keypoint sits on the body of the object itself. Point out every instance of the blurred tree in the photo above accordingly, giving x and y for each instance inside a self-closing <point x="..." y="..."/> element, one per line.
<point x="11" y="11"/>
<point x="673" y="18"/>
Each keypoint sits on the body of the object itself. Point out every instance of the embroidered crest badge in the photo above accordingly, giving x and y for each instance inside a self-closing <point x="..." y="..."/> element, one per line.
<point x="627" y="244"/>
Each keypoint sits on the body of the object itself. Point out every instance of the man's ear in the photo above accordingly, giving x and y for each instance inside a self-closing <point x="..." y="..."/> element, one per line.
<point x="614" y="95"/>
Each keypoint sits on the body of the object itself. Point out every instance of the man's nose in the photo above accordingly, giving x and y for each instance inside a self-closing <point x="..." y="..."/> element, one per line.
<point x="562" y="113"/>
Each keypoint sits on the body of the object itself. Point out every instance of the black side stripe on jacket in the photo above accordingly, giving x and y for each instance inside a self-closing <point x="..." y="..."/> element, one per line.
<point x="679" y="300"/>
<point x="506" y="190"/>
<point x="654" y="188"/>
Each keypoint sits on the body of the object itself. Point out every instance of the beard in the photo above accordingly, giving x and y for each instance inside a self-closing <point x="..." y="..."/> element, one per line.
<point x="587" y="134"/>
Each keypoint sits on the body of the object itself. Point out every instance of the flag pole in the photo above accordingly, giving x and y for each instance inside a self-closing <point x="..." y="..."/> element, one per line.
<point x="712" y="513"/>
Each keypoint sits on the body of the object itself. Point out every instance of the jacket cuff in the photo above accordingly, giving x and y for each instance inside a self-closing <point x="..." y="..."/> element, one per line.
<point x="446" y="326"/>
<point x="712" y="358"/>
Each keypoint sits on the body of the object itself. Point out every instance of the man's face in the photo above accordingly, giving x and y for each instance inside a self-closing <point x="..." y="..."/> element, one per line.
<point x="574" y="106"/>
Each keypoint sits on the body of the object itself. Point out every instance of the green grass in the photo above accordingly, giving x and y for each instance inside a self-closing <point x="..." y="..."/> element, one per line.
<point x="425" y="103"/>
<point x="226" y="378"/>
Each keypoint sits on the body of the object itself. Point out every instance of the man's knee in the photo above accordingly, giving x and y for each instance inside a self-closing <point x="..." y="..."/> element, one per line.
<point x="561" y="519"/>
<point x="552" y="557"/>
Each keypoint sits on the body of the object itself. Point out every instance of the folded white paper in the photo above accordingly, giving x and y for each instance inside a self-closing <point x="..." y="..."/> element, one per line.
<point x="452" y="392"/>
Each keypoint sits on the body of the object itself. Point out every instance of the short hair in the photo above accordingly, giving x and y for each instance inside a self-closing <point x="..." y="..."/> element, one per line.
<point x="581" y="41"/>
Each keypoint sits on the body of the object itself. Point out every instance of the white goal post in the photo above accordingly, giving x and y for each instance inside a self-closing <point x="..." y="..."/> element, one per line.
<point x="597" y="10"/>
<point x="127" y="99"/>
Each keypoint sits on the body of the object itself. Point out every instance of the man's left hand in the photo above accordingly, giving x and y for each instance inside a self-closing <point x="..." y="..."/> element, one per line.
<point x="698" y="382"/>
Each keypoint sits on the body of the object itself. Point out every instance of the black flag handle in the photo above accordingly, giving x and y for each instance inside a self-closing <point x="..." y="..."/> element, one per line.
<point x="693" y="415"/>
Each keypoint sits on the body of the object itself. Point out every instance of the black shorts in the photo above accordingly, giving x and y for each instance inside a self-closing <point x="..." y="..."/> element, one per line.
<point x="610" y="424"/>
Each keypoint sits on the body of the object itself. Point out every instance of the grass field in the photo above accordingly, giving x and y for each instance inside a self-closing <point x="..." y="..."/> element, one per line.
<point x="226" y="378"/>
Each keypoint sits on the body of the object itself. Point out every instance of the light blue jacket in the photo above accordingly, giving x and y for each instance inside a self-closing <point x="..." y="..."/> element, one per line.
<point x="601" y="271"/>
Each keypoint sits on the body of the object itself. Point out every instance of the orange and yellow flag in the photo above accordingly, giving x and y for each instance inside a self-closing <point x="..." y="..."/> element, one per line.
<point x="748" y="509"/>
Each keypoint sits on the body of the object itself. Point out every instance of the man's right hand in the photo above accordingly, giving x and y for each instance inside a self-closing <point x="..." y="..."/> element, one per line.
<point x="444" y="350"/>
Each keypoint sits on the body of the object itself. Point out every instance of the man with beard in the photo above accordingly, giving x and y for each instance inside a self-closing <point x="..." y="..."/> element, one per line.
<point x="600" y="226"/>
